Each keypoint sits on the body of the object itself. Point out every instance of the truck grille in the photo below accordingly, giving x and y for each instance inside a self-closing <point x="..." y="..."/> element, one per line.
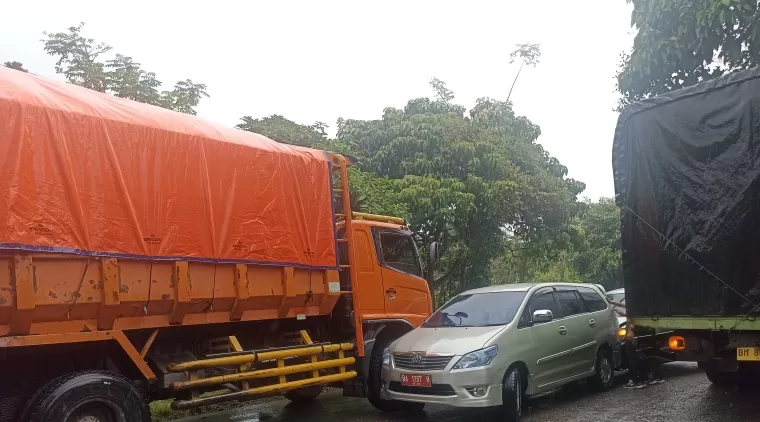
<point x="414" y="362"/>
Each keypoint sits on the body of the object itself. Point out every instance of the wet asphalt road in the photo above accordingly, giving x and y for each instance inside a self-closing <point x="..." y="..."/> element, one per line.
<point x="686" y="396"/>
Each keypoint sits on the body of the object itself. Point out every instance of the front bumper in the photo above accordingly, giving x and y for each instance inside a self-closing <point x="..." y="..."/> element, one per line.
<point x="454" y="388"/>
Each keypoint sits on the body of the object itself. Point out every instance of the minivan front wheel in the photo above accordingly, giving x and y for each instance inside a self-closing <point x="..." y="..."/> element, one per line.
<point x="603" y="378"/>
<point x="512" y="395"/>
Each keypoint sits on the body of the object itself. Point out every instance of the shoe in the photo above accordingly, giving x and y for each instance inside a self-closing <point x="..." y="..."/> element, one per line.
<point x="657" y="381"/>
<point x="634" y="385"/>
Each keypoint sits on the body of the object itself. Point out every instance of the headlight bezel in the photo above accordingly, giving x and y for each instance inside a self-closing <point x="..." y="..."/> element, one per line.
<point x="477" y="358"/>
<point x="386" y="356"/>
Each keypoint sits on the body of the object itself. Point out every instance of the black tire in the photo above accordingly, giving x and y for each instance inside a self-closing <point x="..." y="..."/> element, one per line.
<point x="106" y="396"/>
<point x="604" y="371"/>
<point x="304" y="395"/>
<point x="375" y="382"/>
<point x="512" y="394"/>
<point x="722" y="379"/>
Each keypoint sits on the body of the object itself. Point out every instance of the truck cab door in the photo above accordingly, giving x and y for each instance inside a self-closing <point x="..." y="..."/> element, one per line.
<point x="407" y="295"/>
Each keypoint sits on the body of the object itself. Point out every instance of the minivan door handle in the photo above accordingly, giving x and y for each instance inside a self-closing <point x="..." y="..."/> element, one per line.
<point x="562" y="330"/>
<point x="391" y="291"/>
<point x="592" y="323"/>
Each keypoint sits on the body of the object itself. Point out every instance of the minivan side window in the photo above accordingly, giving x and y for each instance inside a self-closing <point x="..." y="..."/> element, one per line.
<point x="593" y="300"/>
<point x="569" y="302"/>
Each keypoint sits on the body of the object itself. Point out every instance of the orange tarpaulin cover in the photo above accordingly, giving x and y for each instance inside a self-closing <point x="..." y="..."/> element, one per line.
<point x="88" y="173"/>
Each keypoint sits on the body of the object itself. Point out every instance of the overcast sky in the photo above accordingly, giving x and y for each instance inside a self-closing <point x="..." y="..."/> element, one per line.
<point x="320" y="60"/>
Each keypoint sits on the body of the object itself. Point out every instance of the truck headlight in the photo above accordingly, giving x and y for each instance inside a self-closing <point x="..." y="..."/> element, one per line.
<point x="386" y="357"/>
<point x="477" y="358"/>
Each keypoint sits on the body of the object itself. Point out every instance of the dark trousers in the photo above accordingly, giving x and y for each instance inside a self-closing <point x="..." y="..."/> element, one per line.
<point x="639" y="368"/>
<point x="635" y="366"/>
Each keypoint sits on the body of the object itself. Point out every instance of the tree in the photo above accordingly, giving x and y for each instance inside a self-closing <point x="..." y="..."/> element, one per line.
<point x="470" y="181"/>
<point x="185" y="96"/>
<point x="280" y="129"/>
<point x="77" y="57"/>
<point x="529" y="54"/>
<point x="15" y="66"/>
<point x="591" y="253"/>
<point x="125" y="79"/>
<point x="80" y="61"/>
<point x="683" y="42"/>
<point x="598" y="256"/>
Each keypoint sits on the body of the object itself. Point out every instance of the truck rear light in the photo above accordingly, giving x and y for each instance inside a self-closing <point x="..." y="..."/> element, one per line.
<point x="677" y="343"/>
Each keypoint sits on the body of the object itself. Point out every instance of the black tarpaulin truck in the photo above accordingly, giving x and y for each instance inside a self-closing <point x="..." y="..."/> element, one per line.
<point x="687" y="179"/>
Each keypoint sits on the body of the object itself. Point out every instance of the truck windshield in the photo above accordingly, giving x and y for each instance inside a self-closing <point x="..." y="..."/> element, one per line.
<point x="477" y="310"/>
<point x="397" y="251"/>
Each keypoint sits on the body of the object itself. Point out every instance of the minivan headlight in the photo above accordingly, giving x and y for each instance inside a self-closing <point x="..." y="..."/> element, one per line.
<point x="386" y="356"/>
<point x="477" y="358"/>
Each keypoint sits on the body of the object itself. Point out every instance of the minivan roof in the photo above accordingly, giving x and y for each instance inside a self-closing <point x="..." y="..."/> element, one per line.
<point x="521" y="287"/>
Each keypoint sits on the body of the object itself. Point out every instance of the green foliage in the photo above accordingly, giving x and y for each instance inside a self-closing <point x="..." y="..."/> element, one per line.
<point x="79" y="60"/>
<point x="127" y="80"/>
<point x="683" y="42"/>
<point x="598" y="254"/>
<point x="185" y="96"/>
<point x="591" y="252"/>
<point x="529" y="54"/>
<point x="16" y="66"/>
<point x="467" y="179"/>
<point x="280" y="129"/>
<point x="78" y="57"/>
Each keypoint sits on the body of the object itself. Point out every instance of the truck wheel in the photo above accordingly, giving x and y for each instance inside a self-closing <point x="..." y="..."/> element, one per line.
<point x="604" y="371"/>
<point x="89" y="396"/>
<point x="512" y="395"/>
<point x="304" y="395"/>
<point x="721" y="379"/>
<point x="375" y="383"/>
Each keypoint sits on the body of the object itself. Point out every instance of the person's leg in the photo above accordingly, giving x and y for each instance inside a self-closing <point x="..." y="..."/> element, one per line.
<point x="657" y="371"/>
<point x="634" y="366"/>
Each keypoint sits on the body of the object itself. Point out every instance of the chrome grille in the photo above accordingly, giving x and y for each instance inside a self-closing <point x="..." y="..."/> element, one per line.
<point x="418" y="362"/>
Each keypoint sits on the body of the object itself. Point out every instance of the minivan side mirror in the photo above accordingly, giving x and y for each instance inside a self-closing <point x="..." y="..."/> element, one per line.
<point x="542" y="315"/>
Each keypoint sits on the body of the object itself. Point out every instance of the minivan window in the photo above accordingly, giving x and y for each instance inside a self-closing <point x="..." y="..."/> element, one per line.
<point x="477" y="310"/>
<point x="569" y="303"/>
<point x="397" y="251"/>
<point x="542" y="300"/>
<point x="593" y="300"/>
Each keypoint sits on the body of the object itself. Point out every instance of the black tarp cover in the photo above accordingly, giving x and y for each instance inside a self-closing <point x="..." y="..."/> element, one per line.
<point x="687" y="179"/>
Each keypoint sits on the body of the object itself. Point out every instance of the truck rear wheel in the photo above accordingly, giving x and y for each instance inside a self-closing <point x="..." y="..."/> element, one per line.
<point x="721" y="378"/>
<point x="304" y="395"/>
<point x="90" y="396"/>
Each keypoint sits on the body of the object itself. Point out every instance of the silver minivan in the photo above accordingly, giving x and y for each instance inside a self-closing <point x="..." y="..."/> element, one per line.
<point x="496" y="345"/>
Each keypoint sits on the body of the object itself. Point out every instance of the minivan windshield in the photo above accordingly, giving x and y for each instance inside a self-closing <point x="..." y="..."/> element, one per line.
<point x="477" y="310"/>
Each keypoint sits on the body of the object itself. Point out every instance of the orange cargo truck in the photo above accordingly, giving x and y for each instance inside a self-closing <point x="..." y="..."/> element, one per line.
<point x="152" y="254"/>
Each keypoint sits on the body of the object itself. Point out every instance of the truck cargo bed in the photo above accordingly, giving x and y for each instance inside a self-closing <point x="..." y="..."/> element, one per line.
<point x="57" y="293"/>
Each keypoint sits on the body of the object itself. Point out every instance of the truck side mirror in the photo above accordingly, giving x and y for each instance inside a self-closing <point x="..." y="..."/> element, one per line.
<point x="434" y="252"/>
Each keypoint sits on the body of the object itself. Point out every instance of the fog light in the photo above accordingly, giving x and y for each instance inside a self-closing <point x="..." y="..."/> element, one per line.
<point x="677" y="343"/>
<point x="477" y="391"/>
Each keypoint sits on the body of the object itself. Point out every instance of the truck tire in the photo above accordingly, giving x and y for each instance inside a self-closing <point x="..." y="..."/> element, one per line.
<point x="604" y="371"/>
<point x="90" y="395"/>
<point x="721" y="378"/>
<point x="512" y="395"/>
<point x="375" y="382"/>
<point x="304" y="395"/>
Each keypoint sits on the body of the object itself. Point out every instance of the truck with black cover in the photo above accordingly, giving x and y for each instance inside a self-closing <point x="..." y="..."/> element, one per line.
<point x="687" y="180"/>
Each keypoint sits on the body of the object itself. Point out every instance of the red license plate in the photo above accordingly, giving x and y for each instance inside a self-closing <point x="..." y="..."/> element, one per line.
<point x="416" y="380"/>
